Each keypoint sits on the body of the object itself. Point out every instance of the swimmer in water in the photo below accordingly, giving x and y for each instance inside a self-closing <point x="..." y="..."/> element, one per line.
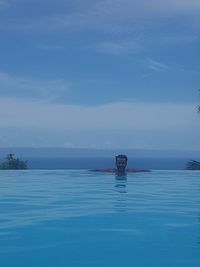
<point x="121" y="163"/>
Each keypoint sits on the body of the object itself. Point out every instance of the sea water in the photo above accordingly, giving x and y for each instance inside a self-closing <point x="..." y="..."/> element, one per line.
<point x="71" y="218"/>
<point x="105" y="162"/>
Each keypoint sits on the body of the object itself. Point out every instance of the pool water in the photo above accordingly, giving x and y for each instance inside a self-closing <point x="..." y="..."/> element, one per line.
<point x="79" y="218"/>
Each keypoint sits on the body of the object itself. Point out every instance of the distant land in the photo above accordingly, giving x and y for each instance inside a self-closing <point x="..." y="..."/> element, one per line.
<point x="87" y="152"/>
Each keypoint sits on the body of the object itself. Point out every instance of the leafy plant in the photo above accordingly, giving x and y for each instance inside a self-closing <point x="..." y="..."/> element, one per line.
<point x="193" y="165"/>
<point x="11" y="163"/>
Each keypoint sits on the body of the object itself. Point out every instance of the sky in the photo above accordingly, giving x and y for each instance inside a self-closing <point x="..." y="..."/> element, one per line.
<point x="100" y="74"/>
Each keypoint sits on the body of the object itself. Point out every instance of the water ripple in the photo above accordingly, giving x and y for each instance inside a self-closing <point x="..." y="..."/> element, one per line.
<point x="80" y="218"/>
<point x="29" y="197"/>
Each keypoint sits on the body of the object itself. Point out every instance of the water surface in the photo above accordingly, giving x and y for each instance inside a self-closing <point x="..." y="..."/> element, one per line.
<point x="79" y="218"/>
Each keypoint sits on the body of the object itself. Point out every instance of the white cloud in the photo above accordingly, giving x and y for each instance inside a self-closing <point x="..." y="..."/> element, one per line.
<point x="3" y="4"/>
<point x="118" y="48"/>
<point x="44" y="90"/>
<point x="110" y="15"/>
<point x="50" y="47"/>
<point x="155" y="65"/>
<point x="125" y="124"/>
<point x="180" y="5"/>
<point x="144" y="22"/>
<point x="138" y="7"/>
<point x="125" y="115"/>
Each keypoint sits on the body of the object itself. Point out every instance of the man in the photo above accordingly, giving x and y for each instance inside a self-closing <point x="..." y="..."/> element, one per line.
<point x="121" y="163"/>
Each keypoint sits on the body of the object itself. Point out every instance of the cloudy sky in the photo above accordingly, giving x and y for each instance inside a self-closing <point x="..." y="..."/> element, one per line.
<point x="100" y="74"/>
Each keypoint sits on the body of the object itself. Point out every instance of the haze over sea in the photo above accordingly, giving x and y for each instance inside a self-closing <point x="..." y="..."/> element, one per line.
<point x="97" y="162"/>
<point x="62" y="158"/>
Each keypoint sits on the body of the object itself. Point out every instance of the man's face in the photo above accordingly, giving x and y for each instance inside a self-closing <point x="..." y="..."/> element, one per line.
<point x="121" y="163"/>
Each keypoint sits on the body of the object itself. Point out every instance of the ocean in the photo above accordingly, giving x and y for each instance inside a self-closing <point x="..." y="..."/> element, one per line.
<point x="104" y="162"/>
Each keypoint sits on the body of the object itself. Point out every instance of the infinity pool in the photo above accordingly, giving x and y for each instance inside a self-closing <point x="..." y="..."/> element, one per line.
<point x="79" y="218"/>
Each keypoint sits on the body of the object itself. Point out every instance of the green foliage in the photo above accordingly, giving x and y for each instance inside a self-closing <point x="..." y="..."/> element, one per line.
<point x="193" y="165"/>
<point x="12" y="163"/>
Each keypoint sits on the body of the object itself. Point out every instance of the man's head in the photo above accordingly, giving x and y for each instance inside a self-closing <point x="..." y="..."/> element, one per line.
<point x="121" y="162"/>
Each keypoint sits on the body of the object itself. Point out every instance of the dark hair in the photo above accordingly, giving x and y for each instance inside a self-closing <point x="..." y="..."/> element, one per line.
<point x="121" y="156"/>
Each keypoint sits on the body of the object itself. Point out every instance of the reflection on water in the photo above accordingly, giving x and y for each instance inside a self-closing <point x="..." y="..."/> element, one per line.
<point x="121" y="177"/>
<point x="33" y="197"/>
<point x="120" y="183"/>
<point x="121" y="189"/>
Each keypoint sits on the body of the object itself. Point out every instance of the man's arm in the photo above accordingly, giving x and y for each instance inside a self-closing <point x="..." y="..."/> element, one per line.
<point x="136" y="170"/>
<point x="104" y="170"/>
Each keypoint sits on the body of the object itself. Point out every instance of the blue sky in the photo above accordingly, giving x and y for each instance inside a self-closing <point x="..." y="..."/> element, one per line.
<point x="104" y="74"/>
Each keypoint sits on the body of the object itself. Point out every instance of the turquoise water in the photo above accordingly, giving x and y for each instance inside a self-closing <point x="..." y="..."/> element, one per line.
<point x="77" y="218"/>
